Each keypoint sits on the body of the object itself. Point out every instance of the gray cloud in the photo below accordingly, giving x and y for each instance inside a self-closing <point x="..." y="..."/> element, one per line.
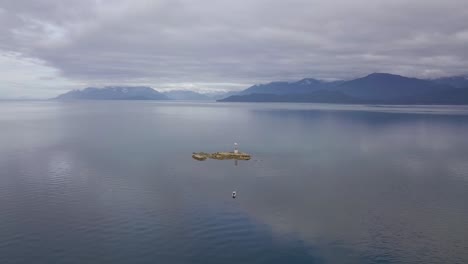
<point x="231" y="44"/>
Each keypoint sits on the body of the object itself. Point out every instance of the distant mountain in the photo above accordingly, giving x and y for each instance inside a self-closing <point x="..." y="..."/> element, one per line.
<point x="186" y="95"/>
<point x="452" y="96"/>
<point x="388" y="87"/>
<point x="321" y="96"/>
<point x="455" y="81"/>
<point x="114" y="93"/>
<point x="376" y="88"/>
<point x="303" y="86"/>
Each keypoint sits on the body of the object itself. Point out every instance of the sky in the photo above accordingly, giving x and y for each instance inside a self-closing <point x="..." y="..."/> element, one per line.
<point x="48" y="47"/>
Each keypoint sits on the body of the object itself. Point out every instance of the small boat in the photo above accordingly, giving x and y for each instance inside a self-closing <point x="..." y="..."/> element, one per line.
<point x="234" y="194"/>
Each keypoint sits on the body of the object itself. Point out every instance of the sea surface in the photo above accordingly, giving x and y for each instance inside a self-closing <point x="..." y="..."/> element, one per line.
<point x="114" y="182"/>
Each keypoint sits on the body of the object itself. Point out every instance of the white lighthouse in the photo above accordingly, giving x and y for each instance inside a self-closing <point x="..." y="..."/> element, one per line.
<point x="236" y="150"/>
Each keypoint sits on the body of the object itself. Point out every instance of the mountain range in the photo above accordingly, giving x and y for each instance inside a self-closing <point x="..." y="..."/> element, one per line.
<point x="375" y="88"/>
<point x="138" y="93"/>
<point x="114" y="93"/>
<point x="303" y="86"/>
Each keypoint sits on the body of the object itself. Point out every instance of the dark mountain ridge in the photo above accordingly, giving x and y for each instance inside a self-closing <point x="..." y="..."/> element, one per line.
<point x="384" y="86"/>
<point x="378" y="88"/>
<point x="320" y="96"/>
<point x="300" y="87"/>
<point x="455" y="81"/>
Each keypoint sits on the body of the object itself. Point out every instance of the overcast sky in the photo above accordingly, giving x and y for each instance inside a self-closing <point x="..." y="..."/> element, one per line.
<point x="50" y="46"/>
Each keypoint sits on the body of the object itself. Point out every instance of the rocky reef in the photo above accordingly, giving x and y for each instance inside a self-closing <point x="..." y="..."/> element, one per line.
<point x="221" y="155"/>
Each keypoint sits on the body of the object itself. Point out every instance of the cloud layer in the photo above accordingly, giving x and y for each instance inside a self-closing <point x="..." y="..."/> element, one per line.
<point x="224" y="45"/>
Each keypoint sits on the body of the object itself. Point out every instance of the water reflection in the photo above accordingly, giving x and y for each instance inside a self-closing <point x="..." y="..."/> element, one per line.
<point x="115" y="182"/>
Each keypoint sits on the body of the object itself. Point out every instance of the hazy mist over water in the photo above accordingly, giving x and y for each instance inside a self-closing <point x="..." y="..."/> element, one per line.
<point x="114" y="182"/>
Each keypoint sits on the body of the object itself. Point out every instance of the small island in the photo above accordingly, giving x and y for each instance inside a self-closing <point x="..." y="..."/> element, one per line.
<point x="221" y="155"/>
<point x="236" y="154"/>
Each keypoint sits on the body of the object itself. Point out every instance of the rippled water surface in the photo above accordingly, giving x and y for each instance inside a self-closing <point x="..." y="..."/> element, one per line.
<point x="114" y="182"/>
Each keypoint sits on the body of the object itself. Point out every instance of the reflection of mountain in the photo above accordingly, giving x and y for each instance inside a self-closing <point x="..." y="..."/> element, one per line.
<point x="376" y="88"/>
<point x="114" y="93"/>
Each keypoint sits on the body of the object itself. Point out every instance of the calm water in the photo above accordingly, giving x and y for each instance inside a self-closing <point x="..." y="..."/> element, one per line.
<point x="114" y="182"/>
